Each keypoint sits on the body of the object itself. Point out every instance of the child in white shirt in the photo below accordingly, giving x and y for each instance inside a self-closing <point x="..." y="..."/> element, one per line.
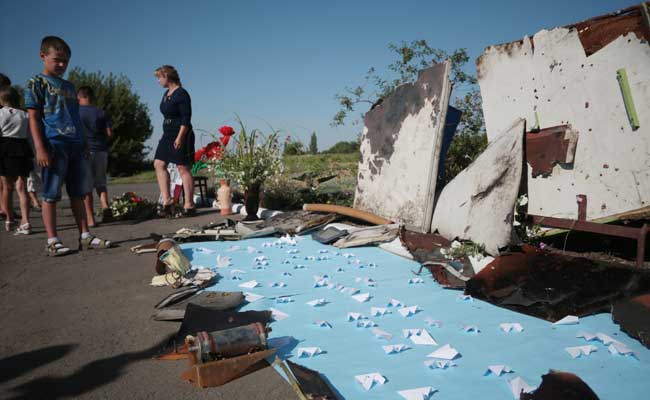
<point x="16" y="157"/>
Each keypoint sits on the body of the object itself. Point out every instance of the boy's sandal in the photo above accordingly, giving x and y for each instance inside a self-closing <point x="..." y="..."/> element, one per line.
<point x="93" y="242"/>
<point x="57" y="249"/>
<point x="24" y="229"/>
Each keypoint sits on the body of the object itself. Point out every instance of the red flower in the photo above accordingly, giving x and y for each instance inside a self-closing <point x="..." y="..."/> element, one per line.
<point x="199" y="154"/>
<point x="224" y="140"/>
<point x="227" y="130"/>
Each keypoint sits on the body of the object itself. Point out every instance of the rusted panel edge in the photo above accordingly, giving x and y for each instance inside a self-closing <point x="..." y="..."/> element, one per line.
<point x="642" y="9"/>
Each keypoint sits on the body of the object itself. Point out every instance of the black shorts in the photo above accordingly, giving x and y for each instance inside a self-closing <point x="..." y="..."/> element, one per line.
<point x="16" y="157"/>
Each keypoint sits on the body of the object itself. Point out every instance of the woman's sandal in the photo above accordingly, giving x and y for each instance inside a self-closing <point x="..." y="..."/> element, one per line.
<point x="88" y="244"/>
<point x="166" y="211"/>
<point x="9" y="225"/>
<point x="24" y="229"/>
<point x="57" y="249"/>
<point x="189" y="212"/>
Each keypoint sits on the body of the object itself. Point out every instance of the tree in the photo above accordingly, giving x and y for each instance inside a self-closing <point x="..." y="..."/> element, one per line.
<point x="343" y="148"/>
<point x="293" y="148"/>
<point x="130" y="118"/>
<point x="470" y="137"/>
<point x="313" y="144"/>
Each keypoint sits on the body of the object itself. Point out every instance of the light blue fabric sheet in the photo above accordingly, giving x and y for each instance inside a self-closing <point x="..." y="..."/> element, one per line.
<point x="353" y="351"/>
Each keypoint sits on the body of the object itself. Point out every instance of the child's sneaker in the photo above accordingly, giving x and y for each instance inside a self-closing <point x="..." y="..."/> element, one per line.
<point x="93" y="242"/>
<point x="24" y="229"/>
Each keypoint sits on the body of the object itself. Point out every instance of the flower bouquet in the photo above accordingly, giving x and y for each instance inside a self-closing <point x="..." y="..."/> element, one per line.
<point x="131" y="206"/>
<point x="254" y="158"/>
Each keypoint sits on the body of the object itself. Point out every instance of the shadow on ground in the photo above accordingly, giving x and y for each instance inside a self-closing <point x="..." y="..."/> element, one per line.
<point x="90" y="376"/>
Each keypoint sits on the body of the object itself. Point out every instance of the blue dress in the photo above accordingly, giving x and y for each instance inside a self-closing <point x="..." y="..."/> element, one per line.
<point x="176" y="110"/>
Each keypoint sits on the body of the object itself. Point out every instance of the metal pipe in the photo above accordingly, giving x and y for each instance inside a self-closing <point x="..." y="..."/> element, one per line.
<point x="210" y="346"/>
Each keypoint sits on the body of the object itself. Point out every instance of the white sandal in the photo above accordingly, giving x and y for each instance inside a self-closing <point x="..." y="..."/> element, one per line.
<point x="24" y="229"/>
<point x="9" y="225"/>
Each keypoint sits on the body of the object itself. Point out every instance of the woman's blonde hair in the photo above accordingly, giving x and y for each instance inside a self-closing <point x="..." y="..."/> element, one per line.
<point x="168" y="72"/>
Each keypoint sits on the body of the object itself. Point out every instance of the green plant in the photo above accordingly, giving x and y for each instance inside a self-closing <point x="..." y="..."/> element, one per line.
<point x="282" y="193"/>
<point x="131" y="206"/>
<point x="461" y="249"/>
<point x="254" y="158"/>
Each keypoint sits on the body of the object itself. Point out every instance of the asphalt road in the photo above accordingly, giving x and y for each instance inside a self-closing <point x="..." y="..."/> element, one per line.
<point x="79" y="326"/>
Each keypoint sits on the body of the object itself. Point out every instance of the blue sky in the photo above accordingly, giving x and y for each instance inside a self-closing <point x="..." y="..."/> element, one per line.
<point x="276" y="62"/>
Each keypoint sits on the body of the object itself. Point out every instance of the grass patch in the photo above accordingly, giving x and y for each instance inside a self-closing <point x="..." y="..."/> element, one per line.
<point x="323" y="164"/>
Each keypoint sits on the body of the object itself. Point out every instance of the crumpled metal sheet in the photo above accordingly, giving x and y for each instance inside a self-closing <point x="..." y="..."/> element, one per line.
<point x="298" y="222"/>
<point x="558" y="385"/>
<point x="211" y="300"/>
<point x="633" y="315"/>
<point x="551" y="285"/>
<point x="311" y="383"/>
<point x="369" y="236"/>
<point x="425" y="248"/>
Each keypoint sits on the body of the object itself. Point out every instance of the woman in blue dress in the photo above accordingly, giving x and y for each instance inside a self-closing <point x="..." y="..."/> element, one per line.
<point x="177" y="142"/>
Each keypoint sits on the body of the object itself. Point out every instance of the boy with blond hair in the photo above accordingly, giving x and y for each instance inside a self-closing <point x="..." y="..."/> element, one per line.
<point x="59" y="144"/>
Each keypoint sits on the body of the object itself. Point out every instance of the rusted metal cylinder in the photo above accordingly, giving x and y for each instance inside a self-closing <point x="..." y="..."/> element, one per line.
<point x="209" y="346"/>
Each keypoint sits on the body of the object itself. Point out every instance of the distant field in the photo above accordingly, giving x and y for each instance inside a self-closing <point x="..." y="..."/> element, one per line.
<point x="344" y="165"/>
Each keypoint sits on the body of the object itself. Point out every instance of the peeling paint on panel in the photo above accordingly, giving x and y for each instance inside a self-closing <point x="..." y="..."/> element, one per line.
<point x="400" y="150"/>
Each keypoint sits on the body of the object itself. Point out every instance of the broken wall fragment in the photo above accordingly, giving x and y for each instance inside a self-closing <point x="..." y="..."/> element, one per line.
<point x="400" y="150"/>
<point x="569" y="76"/>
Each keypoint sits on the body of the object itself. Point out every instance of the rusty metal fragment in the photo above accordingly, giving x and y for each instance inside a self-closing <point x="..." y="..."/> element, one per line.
<point x="425" y="248"/>
<point x="312" y="384"/>
<point x="558" y="385"/>
<point x="217" y="373"/>
<point x="633" y="315"/>
<point x="550" y="146"/>
<point x="551" y="285"/>
<point x="596" y="33"/>
<point x="638" y="234"/>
